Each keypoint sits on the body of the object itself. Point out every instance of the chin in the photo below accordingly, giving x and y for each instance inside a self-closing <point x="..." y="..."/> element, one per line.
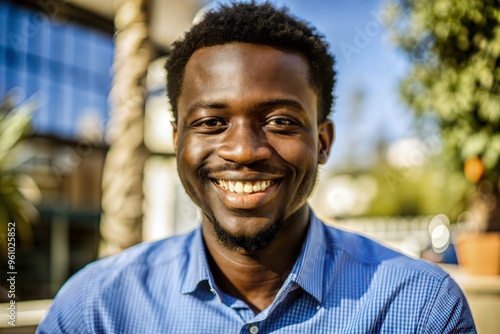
<point x="255" y="242"/>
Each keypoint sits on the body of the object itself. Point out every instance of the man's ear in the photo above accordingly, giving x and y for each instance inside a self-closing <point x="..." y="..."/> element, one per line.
<point x="174" y="134"/>
<point x="326" y="134"/>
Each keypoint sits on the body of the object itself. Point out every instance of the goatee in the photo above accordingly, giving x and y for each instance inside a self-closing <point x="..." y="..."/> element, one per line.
<point x="250" y="244"/>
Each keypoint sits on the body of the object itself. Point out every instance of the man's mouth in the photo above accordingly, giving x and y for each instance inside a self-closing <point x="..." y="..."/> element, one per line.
<point x="244" y="187"/>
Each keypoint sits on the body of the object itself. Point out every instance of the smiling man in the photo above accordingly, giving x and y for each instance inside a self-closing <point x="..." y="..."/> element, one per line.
<point x="251" y="91"/>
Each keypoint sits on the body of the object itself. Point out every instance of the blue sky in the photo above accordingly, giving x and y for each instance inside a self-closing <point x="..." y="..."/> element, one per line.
<point x="365" y="61"/>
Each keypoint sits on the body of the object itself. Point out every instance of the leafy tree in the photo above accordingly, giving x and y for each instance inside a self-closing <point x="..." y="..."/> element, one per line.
<point x="454" y="47"/>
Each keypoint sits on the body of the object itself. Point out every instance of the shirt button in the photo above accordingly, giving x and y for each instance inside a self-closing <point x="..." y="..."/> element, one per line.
<point x="253" y="329"/>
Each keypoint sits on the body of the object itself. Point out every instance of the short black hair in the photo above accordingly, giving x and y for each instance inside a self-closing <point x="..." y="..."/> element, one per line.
<point x="257" y="24"/>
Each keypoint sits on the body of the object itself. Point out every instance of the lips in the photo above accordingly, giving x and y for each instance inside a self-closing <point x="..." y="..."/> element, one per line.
<point x="244" y="187"/>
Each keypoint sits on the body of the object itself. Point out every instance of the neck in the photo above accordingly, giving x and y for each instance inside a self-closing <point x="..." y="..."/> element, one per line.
<point x="256" y="277"/>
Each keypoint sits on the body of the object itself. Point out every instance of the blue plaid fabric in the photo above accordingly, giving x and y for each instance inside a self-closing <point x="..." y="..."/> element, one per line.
<point x="341" y="283"/>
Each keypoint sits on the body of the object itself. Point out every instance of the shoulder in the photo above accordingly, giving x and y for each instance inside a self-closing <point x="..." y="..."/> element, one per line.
<point x="103" y="281"/>
<point x="393" y="284"/>
<point x="144" y="257"/>
<point x="146" y="254"/>
<point x="367" y="252"/>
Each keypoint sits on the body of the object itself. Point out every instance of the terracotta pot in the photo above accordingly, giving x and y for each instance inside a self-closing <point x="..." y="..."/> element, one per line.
<point x="479" y="254"/>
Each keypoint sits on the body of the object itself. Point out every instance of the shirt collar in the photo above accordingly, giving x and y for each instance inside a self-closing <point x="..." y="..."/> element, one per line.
<point x="307" y="271"/>
<point x="309" y="267"/>
<point x="197" y="265"/>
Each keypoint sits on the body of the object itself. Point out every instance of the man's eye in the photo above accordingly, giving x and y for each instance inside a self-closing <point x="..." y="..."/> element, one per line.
<point x="280" y="121"/>
<point x="209" y="123"/>
<point x="212" y="122"/>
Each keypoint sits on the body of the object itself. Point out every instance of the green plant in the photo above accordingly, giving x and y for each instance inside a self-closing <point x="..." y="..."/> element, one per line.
<point x="14" y="123"/>
<point x="454" y="49"/>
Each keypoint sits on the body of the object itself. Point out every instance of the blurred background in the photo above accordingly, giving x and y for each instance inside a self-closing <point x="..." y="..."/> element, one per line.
<point x="86" y="159"/>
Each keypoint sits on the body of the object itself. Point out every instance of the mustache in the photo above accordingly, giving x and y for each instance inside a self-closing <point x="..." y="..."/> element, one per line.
<point x="259" y="167"/>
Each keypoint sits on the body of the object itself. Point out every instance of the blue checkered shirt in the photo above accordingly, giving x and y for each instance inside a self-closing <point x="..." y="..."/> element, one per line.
<point x="341" y="283"/>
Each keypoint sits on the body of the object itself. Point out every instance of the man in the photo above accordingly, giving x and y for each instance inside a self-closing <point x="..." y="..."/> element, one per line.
<point x="251" y="90"/>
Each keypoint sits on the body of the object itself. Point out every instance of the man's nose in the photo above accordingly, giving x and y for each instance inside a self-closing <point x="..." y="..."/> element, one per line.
<point x="244" y="144"/>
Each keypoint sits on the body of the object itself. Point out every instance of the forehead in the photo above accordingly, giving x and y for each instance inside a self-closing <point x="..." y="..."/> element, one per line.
<point x="231" y="54"/>
<point x="240" y="70"/>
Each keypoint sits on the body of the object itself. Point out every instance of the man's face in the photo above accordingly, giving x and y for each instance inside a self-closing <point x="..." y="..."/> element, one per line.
<point x="248" y="141"/>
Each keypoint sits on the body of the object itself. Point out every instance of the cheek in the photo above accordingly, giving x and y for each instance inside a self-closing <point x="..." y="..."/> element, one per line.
<point x="300" y="152"/>
<point x="191" y="152"/>
<point x="190" y="156"/>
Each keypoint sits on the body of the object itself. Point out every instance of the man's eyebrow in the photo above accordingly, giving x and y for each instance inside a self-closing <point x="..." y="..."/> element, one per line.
<point x="264" y="104"/>
<point x="205" y="105"/>
<point x="282" y="102"/>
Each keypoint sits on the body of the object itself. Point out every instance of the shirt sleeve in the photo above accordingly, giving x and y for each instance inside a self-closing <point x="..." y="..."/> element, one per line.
<point x="450" y="312"/>
<point x="67" y="312"/>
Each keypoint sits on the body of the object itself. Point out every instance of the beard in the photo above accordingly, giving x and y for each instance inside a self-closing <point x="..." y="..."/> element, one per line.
<point x="250" y="244"/>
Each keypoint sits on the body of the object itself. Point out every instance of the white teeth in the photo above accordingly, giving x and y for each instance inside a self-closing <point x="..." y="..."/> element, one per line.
<point x="243" y="187"/>
<point x="238" y="187"/>
<point x="248" y="188"/>
<point x="256" y="187"/>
